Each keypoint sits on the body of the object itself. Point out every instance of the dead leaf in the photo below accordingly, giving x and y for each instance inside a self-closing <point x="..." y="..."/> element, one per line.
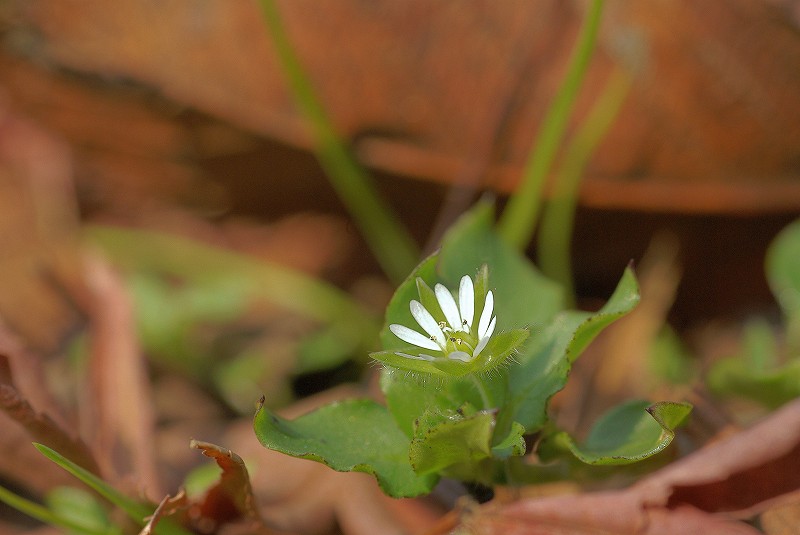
<point x="783" y="519"/>
<point x="40" y="427"/>
<point x="232" y="497"/>
<point x="169" y="505"/>
<point x="116" y="411"/>
<point x="736" y="475"/>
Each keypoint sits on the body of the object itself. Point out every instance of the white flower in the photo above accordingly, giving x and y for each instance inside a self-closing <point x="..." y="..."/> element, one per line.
<point x="457" y="338"/>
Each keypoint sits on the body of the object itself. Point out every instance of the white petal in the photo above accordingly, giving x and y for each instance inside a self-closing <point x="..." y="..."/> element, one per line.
<point x="413" y="337"/>
<point x="427" y="322"/>
<point x="480" y="346"/>
<point x="466" y="301"/>
<point x="448" y="305"/>
<point x="460" y="355"/>
<point x="490" y="330"/>
<point x="486" y="315"/>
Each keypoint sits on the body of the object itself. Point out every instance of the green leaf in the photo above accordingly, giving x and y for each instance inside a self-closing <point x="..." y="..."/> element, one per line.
<point x="81" y="508"/>
<point x="440" y="442"/>
<point x="409" y="396"/>
<point x="628" y="433"/>
<point x="772" y="388"/>
<point x="398" y="309"/>
<point x="351" y="435"/>
<point x="137" y="511"/>
<point x="512" y="445"/>
<point x="43" y="514"/>
<point x="783" y="268"/>
<point x="755" y="373"/>
<point x="669" y="361"/>
<point x="523" y="296"/>
<point x="544" y="364"/>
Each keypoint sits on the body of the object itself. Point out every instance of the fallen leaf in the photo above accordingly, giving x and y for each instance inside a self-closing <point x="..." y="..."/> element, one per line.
<point x="169" y="505"/>
<point x="232" y="497"/>
<point x="116" y="410"/>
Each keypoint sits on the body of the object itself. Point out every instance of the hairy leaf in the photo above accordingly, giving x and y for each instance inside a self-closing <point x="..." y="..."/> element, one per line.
<point x="353" y="435"/>
<point x="546" y="361"/>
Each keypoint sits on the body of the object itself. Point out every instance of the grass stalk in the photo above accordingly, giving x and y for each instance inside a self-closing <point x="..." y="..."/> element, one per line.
<point x="389" y="241"/>
<point x="518" y="222"/>
<point x="558" y="217"/>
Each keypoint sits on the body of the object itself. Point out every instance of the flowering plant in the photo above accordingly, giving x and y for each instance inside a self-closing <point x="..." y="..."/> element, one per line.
<point x="468" y="374"/>
<point x="455" y="343"/>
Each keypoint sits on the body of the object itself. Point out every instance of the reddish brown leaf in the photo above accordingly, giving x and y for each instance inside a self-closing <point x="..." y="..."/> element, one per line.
<point x="117" y="414"/>
<point x="739" y="474"/>
<point x="232" y="497"/>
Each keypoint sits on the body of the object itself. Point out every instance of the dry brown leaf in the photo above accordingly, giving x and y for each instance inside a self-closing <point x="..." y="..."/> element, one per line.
<point x="403" y="87"/>
<point x="39" y="426"/>
<point x="232" y="497"/>
<point x="169" y="505"/>
<point x="37" y="227"/>
<point x="783" y="519"/>
<point x="117" y="414"/>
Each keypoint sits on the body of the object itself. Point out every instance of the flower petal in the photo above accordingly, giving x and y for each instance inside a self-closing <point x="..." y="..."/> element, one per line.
<point x="490" y="330"/>
<point x="486" y="315"/>
<point x="413" y="337"/>
<point x="427" y="322"/>
<point x="466" y="301"/>
<point x="460" y="355"/>
<point x="481" y="344"/>
<point x="448" y="305"/>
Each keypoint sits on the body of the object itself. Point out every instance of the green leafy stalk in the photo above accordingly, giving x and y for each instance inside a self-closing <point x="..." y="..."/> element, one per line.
<point x="558" y="217"/>
<point x="390" y="242"/>
<point x="518" y="222"/>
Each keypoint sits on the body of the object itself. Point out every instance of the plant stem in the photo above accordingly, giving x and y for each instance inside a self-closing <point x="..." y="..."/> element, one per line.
<point x="518" y="221"/>
<point x="487" y="403"/>
<point x="391" y="244"/>
<point x="558" y="217"/>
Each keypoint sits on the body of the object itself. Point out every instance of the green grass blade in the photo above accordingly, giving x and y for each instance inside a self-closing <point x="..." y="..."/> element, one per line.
<point x="135" y="510"/>
<point x="43" y="514"/>
<point x="558" y="217"/>
<point x="518" y="221"/>
<point x="391" y="244"/>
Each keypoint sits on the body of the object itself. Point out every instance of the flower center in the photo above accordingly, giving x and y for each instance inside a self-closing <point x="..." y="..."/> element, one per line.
<point x="458" y="341"/>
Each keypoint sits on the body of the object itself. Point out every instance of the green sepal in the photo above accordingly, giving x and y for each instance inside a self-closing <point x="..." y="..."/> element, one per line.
<point x="499" y="348"/>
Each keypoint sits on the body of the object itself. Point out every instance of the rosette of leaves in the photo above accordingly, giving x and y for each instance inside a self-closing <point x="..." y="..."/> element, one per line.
<point x="453" y="410"/>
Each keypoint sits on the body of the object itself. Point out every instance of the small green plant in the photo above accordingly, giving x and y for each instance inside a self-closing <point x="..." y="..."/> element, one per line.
<point x="767" y="368"/>
<point x="462" y="397"/>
